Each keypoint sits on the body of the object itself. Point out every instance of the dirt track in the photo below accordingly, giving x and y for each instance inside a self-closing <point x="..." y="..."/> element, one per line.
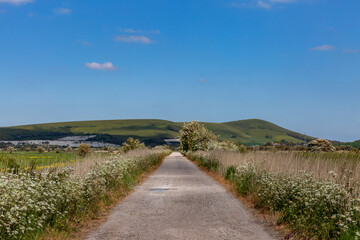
<point x="179" y="201"/>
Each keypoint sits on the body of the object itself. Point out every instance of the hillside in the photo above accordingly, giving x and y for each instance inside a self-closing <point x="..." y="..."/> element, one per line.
<point x="152" y="131"/>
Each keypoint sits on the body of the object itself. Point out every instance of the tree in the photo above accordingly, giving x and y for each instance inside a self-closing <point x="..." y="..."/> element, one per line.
<point x="10" y="149"/>
<point x="132" y="144"/>
<point x="194" y="136"/>
<point x="40" y="149"/>
<point x="84" y="149"/>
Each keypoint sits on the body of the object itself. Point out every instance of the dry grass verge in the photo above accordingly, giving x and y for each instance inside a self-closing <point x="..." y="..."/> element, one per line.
<point x="312" y="205"/>
<point x="80" y="230"/>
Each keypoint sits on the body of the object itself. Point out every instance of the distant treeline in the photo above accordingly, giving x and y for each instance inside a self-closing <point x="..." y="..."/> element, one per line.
<point x="23" y="135"/>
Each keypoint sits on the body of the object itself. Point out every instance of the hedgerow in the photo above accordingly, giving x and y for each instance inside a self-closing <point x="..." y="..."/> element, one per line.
<point x="30" y="202"/>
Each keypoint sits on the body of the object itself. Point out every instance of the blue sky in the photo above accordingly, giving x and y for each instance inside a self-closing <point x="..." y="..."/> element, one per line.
<point x="294" y="63"/>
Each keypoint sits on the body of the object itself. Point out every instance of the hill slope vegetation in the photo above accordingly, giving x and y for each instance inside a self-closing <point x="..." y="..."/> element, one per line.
<point x="152" y="131"/>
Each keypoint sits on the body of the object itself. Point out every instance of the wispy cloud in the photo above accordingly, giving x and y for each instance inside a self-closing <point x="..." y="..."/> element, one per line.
<point x="262" y="4"/>
<point x="323" y="48"/>
<point x="2" y="11"/>
<point x="133" y="39"/>
<point x="348" y="50"/>
<point x="62" y="11"/>
<point x="108" y="66"/>
<point x="86" y="43"/>
<point x="203" y="80"/>
<point x="265" y="4"/>
<point x="239" y="5"/>
<point x="282" y="1"/>
<point x="16" y="2"/>
<point x="134" y="31"/>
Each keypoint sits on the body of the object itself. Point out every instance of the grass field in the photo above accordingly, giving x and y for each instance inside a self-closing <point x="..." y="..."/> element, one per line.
<point x="151" y="131"/>
<point x="40" y="160"/>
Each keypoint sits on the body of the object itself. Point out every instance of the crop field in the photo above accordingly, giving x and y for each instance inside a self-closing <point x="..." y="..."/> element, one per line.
<point x="316" y="194"/>
<point x="24" y="159"/>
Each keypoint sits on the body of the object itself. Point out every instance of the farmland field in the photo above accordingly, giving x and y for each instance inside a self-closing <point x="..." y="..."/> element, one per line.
<point x="41" y="160"/>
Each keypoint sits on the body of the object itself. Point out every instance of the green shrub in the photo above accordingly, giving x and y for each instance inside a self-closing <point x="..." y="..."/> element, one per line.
<point x="230" y="173"/>
<point x="10" y="149"/>
<point x="84" y="150"/>
<point x="40" y="149"/>
<point x="132" y="144"/>
<point x="68" y="149"/>
<point x="12" y="165"/>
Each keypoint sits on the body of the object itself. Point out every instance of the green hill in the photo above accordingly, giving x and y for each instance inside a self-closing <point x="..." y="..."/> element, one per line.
<point x="152" y="131"/>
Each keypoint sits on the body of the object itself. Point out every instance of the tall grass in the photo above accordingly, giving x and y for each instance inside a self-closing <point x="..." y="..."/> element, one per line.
<point x="317" y="194"/>
<point x="31" y="201"/>
<point x="337" y="167"/>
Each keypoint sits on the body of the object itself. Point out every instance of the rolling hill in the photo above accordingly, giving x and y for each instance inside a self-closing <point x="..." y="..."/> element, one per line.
<point x="152" y="131"/>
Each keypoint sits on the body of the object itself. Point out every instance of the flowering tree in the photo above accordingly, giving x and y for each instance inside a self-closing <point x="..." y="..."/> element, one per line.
<point x="194" y="136"/>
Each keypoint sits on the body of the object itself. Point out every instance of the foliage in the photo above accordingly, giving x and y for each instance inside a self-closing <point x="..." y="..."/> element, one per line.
<point x="314" y="209"/>
<point x="68" y="149"/>
<point x="40" y="149"/>
<point x="30" y="203"/>
<point x="224" y="145"/>
<point x="132" y="144"/>
<point x="10" y="149"/>
<point x="321" y="145"/>
<point x="194" y="136"/>
<point x="242" y="148"/>
<point x="84" y="150"/>
<point x="162" y="147"/>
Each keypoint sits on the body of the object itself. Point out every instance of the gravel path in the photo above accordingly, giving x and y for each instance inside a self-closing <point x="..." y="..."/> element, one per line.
<point x="179" y="201"/>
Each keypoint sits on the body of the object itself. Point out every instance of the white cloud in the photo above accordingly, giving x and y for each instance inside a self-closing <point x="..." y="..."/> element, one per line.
<point x="266" y="4"/>
<point x="323" y="48"/>
<point x="130" y="30"/>
<point x="62" y="11"/>
<point x="262" y="4"/>
<point x="282" y="1"/>
<point x="108" y="66"/>
<point x="133" y="39"/>
<point x="16" y="2"/>
<point x="347" y="50"/>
